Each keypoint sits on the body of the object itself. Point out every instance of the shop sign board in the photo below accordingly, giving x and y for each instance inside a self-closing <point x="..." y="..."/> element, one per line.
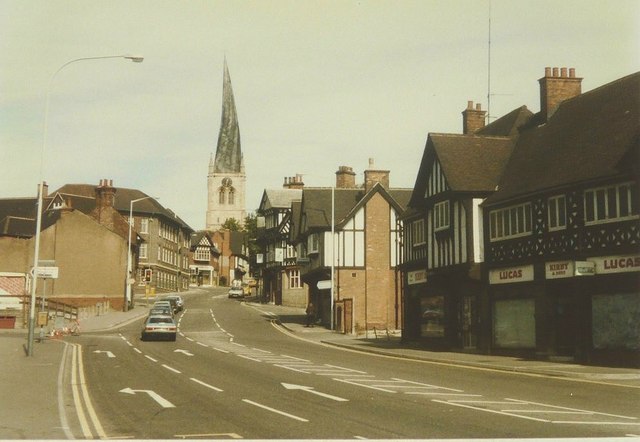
<point x="616" y="264"/>
<point x="417" y="277"/>
<point x="559" y="269"/>
<point x="511" y="274"/>
<point x="585" y="268"/>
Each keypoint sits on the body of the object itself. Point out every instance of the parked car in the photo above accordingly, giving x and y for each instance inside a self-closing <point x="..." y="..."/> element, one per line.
<point x="177" y="300"/>
<point x="159" y="327"/>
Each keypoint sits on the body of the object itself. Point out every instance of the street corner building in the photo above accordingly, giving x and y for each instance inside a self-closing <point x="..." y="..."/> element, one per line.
<point x="85" y="238"/>
<point x="522" y="236"/>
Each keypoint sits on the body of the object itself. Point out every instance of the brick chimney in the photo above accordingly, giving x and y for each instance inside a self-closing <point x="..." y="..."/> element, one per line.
<point x="293" y="182"/>
<point x="556" y="87"/>
<point x="345" y="178"/>
<point x="105" y="194"/>
<point x="373" y="176"/>
<point x="472" y="119"/>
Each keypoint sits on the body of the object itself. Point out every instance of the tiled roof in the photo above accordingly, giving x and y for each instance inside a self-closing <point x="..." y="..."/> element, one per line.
<point x="471" y="163"/>
<point x="122" y="201"/>
<point x="279" y="198"/>
<point x="586" y="139"/>
<point x="507" y="125"/>
<point x="316" y="203"/>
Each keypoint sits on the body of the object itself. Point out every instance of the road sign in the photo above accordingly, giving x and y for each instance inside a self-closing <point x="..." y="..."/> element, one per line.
<point x="324" y="285"/>
<point x="47" y="272"/>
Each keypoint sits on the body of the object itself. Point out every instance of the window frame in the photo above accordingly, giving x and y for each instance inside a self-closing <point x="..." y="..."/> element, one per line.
<point x="501" y="222"/>
<point x="557" y="213"/>
<point x="441" y="216"/>
<point x="418" y="234"/>
<point x="601" y="211"/>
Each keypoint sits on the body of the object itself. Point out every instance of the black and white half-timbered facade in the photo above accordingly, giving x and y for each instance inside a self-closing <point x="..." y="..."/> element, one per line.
<point x="279" y="269"/>
<point x="443" y="231"/>
<point x="562" y="243"/>
<point x="353" y="274"/>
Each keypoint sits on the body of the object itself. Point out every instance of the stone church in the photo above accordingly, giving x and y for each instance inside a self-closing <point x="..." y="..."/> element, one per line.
<point x="226" y="181"/>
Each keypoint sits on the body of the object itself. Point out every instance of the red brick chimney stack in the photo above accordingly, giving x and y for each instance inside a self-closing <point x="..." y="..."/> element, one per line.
<point x="345" y="178"/>
<point x="293" y="182"/>
<point x="555" y="87"/>
<point x="374" y="176"/>
<point x="472" y="119"/>
<point x="105" y="194"/>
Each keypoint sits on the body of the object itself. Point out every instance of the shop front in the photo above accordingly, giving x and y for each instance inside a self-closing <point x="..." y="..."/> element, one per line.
<point x="586" y="310"/>
<point x="443" y="311"/>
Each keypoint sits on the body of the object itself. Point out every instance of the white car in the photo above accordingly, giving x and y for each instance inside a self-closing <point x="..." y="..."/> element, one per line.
<point x="159" y="327"/>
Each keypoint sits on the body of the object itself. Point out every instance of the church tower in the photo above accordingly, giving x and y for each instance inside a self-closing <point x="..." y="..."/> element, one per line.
<point x="226" y="180"/>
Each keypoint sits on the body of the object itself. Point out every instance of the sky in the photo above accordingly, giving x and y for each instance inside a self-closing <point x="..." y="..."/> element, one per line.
<point x="317" y="84"/>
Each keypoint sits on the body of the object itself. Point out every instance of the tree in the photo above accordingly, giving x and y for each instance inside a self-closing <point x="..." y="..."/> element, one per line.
<point x="232" y="224"/>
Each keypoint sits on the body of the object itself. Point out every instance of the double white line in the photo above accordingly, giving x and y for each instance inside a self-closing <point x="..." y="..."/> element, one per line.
<point x="81" y="399"/>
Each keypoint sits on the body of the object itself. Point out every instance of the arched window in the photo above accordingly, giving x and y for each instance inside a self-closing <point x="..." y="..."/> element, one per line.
<point x="221" y="195"/>
<point x="232" y="195"/>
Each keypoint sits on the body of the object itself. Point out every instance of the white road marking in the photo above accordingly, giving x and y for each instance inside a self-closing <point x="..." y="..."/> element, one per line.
<point x="273" y="410"/>
<point x="171" y="369"/>
<point x="311" y="390"/>
<point x="150" y="358"/>
<point x="137" y="350"/>
<point x="205" y="384"/>
<point x="152" y="394"/>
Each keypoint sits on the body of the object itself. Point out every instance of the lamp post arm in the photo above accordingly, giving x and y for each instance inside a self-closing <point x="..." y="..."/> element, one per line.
<point x="39" y="208"/>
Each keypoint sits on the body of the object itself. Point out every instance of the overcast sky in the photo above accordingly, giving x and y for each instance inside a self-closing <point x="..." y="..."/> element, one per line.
<point x="317" y="84"/>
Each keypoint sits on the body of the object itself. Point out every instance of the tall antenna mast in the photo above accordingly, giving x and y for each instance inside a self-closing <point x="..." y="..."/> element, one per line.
<point x="489" y="71"/>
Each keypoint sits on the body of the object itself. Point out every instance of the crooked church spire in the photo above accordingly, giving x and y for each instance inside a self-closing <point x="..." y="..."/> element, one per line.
<point x="226" y="181"/>
<point x="228" y="157"/>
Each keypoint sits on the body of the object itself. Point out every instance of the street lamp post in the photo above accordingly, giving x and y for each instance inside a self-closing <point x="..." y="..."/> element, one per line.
<point x="127" y="294"/>
<point x="36" y="251"/>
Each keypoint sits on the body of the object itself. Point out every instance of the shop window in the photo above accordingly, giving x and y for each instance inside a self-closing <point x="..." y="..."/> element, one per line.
<point x="432" y="314"/>
<point x="615" y="321"/>
<point x="514" y="324"/>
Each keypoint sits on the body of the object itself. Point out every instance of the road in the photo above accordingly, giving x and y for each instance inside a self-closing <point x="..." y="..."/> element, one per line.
<point x="233" y="373"/>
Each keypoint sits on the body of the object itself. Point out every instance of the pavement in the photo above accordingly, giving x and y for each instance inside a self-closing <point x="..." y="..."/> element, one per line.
<point x="30" y="418"/>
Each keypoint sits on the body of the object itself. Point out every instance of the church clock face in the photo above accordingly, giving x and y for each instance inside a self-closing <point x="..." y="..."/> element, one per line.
<point x="226" y="182"/>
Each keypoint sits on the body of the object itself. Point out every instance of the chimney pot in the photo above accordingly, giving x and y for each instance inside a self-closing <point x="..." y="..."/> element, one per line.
<point x="472" y="119"/>
<point x="547" y="72"/>
<point x="556" y="89"/>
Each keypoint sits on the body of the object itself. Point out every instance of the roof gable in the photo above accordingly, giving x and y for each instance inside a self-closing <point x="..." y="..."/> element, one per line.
<point x="460" y="163"/>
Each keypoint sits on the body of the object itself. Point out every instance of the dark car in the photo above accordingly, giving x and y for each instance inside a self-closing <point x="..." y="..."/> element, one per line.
<point x="176" y="300"/>
<point x="159" y="327"/>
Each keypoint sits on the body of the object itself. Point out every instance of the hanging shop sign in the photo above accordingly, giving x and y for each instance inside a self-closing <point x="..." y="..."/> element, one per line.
<point x="616" y="264"/>
<point x="511" y="274"/>
<point x="559" y="269"/>
<point x="417" y="277"/>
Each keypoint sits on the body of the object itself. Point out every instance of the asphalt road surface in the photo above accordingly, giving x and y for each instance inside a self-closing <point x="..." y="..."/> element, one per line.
<point x="233" y="373"/>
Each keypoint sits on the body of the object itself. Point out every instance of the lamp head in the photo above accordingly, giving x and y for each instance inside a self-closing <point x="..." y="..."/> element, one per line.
<point x="135" y="58"/>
